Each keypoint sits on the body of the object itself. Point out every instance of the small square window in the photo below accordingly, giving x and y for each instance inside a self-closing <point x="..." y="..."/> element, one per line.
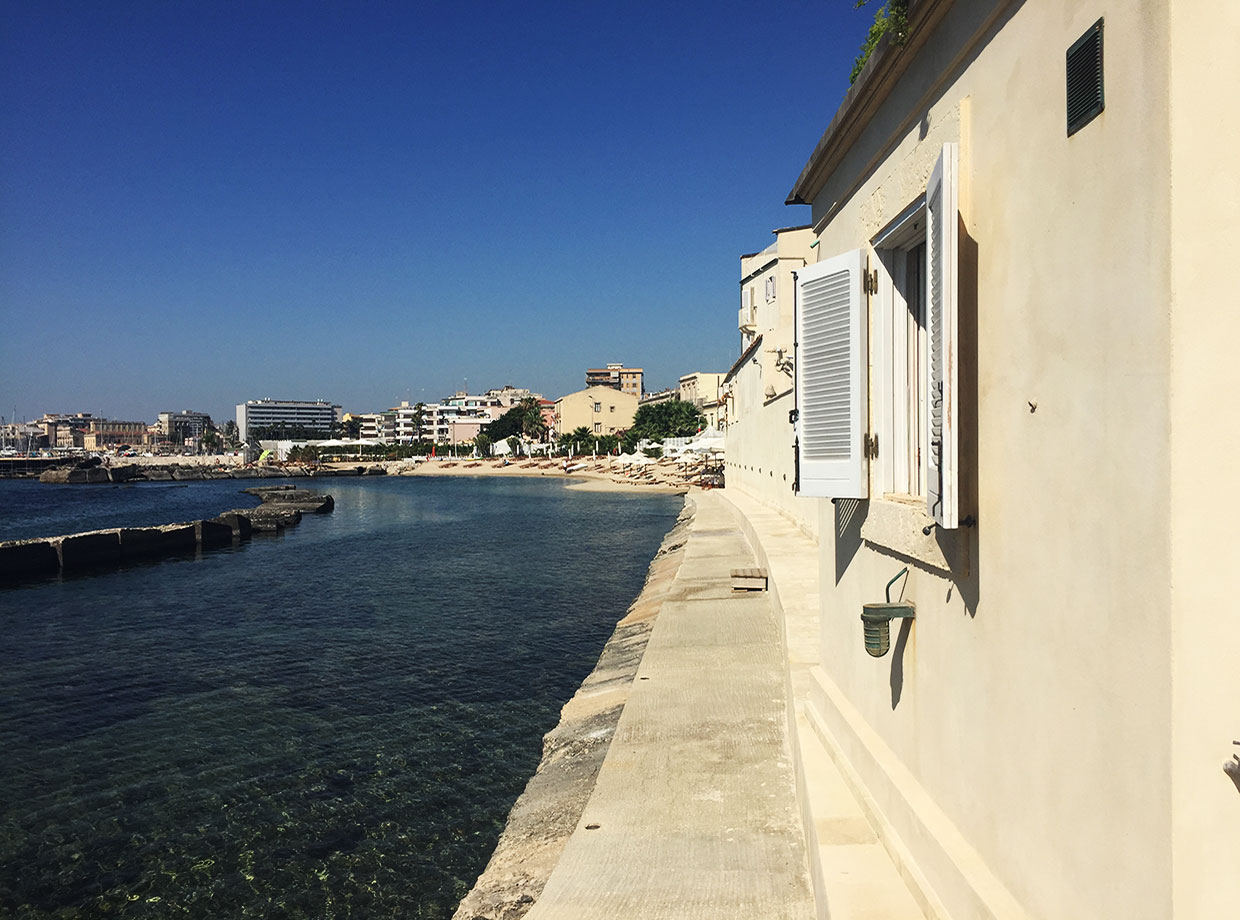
<point x="598" y="407"/>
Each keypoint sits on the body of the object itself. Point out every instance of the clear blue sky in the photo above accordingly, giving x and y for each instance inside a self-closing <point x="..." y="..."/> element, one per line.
<point x="207" y="202"/>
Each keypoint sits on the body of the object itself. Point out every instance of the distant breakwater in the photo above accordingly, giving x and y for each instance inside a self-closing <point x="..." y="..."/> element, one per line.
<point x="280" y="507"/>
<point x="86" y="473"/>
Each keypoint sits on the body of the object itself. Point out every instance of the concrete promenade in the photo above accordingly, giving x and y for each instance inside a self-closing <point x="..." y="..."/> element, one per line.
<point x="709" y="791"/>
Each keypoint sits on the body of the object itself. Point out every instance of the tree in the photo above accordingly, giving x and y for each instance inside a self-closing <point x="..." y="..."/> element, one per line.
<point x="533" y="425"/>
<point x="230" y="432"/>
<point x="514" y="445"/>
<point x="891" y="17"/>
<point x="505" y="426"/>
<point x="419" y="419"/>
<point x="351" y="428"/>
<point x="482" y="443"/>
<point x="656" y="421"/>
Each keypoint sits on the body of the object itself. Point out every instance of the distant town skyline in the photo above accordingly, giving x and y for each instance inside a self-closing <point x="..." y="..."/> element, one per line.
<point x="202" y="204"/>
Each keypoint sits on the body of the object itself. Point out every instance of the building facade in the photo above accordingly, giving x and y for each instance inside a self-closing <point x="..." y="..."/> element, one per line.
<point x="601" y="410"/>
<point x="757" y="391"/>
<point x="618" y="377"/>
<point x="704" y="391"/>
<point x="1009" y="362"/>
<point x="177" y="426"/>
<point x="316" y="418"/>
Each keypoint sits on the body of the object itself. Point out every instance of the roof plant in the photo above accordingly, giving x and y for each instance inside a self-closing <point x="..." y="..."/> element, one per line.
<point x="891" y="17"/>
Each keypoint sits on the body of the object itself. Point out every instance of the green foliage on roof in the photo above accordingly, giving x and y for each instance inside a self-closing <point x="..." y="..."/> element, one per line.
<point x="891" y="17"/>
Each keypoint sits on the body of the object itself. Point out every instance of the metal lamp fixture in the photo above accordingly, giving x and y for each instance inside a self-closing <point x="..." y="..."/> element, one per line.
<point x="877" y="619"/>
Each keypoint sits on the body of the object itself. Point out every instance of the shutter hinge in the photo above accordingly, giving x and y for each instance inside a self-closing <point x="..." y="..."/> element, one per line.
<point x="869" y="446"/>
<point x="869" y="282"/>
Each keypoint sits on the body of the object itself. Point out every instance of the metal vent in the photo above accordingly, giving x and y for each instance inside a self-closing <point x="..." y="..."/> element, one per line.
<point x="1085" y="99"/>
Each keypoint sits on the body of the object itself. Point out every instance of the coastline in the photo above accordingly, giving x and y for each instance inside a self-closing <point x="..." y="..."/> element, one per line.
<point x="549" y="809"/>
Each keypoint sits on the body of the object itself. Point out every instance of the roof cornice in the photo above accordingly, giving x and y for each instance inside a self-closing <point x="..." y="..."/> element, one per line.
<point x="873" y="85"/>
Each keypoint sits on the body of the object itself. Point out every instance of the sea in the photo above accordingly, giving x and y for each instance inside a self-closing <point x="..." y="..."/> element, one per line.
<point x="329" y="722"/>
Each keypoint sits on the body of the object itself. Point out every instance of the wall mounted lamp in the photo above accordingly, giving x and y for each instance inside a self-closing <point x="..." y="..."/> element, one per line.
<point x="877" y="619"/>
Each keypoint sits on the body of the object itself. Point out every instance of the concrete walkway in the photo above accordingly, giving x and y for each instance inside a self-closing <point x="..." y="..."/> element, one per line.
<point x="716" y="798"/>
<point x="694" y="813"/>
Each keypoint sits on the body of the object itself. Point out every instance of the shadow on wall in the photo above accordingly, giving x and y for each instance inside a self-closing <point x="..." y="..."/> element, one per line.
<point x="849" y="516"/>
<point x="965" y="564"/>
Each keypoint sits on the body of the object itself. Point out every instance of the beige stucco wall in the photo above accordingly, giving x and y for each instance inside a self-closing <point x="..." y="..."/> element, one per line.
<point x="758" y="446"/>
<point x="1205" y="453"/>
<point x="616" y="410"/>
<point x="1018" y="740"/>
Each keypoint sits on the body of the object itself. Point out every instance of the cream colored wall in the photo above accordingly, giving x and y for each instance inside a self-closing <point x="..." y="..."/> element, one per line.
<point x="1205" y="454"/>
<point x="1017" y="739"/>
<point x="577" y="409"/>
<point x="758" y="447"/>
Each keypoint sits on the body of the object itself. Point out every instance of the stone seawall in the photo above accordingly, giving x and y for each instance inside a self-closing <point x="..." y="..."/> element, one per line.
<point x="546" y="813"/>
<point x="282" y="506"/>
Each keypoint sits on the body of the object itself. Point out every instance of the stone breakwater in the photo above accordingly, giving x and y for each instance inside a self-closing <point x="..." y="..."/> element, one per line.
<point x="83" y="474"/>
<point x="549" y="809"/>
<point x="282" y="506"/>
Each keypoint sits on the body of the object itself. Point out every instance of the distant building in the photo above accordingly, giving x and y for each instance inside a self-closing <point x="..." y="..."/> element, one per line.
<point x="602" y="410"/>
<point x="177" y="426"/>
<point x="104" y="433"/>
<point x="509" y="396"/>
<point x="293" y="416"/>
<point x="704" y="390"/>
<point x="618" y="377"/>
<point x="667" y="395"/>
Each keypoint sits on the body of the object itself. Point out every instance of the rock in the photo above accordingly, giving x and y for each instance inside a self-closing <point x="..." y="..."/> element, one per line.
<point x="155" y="474"/>
<point x="58" y="476"/>
<point x="187" y="474"/>
<point x="210" y="534"/>
<point x="148" y="542"/>
<point x="86" y="550"/>
<point x="22" y="559"/>
<point x="237" y="522"/>
<point x="376" y="471"/>
<point x="124" y="473"/>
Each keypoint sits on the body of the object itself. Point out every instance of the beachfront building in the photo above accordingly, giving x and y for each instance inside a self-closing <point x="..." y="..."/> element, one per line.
<point x="601" y="410"/>
<point x="1013" y="354"/>
<point x="377" y="426"/>
<point x="304" y="418"/>
<point x="618" y="377"/>
<point x="757" y="391"/>
<point x="102" y="434"/>
<point x="704" y="390"/>
<point x="178" y="426"/>
<point x="659" y="396"/>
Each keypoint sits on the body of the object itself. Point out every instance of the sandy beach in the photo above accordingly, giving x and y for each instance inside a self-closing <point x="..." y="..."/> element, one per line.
<point x="601" y="475"/>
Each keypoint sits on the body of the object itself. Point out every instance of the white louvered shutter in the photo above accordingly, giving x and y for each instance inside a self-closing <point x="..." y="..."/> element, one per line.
<point x="943" y="463"/>
<point x="832" y="377"/>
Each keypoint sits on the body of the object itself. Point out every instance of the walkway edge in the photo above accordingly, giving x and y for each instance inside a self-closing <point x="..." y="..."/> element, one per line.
<point x="549" y="809"/>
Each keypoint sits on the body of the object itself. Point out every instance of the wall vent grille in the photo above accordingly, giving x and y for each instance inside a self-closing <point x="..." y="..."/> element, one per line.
<point x="1085" y="97"/>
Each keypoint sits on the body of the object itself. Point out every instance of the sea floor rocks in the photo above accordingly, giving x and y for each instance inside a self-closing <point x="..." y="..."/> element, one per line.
<point x="549" y="809"/>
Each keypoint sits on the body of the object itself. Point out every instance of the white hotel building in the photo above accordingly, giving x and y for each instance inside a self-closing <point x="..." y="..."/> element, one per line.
<point x="318" y="415"/>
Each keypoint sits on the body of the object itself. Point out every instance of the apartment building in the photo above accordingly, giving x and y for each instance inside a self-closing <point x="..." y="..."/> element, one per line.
<point x="601" y="410"/>
<point x="618" y="377"/>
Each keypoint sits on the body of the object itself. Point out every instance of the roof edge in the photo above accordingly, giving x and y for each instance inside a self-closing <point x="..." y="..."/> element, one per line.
<point x="873" y="85"/>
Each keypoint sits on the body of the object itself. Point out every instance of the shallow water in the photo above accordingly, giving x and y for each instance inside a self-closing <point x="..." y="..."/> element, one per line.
<point x="333" y="722"/>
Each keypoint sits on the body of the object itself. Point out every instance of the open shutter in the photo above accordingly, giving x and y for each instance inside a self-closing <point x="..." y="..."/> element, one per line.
<point x="832" y="377"/>
<point x="942" y="453"/>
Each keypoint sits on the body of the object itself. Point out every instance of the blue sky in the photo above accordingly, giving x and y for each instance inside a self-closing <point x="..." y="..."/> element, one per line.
<point x="207" y="202"/>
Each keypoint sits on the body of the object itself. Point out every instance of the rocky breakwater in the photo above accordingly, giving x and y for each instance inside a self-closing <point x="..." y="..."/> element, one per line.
<point x="282" y="506"/>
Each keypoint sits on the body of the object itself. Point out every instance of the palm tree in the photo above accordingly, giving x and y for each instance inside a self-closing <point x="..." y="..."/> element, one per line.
<point x="533" y="426"/>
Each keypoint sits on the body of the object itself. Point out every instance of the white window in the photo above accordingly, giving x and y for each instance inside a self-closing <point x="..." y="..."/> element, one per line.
<point x="770" y="289"/>
<point x="598" y="427"/>
<point x="907" y="290"/>
<point x="598" y="407"/>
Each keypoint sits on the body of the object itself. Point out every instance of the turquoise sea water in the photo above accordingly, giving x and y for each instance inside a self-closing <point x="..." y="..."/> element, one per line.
<point x="332" y="722"/>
